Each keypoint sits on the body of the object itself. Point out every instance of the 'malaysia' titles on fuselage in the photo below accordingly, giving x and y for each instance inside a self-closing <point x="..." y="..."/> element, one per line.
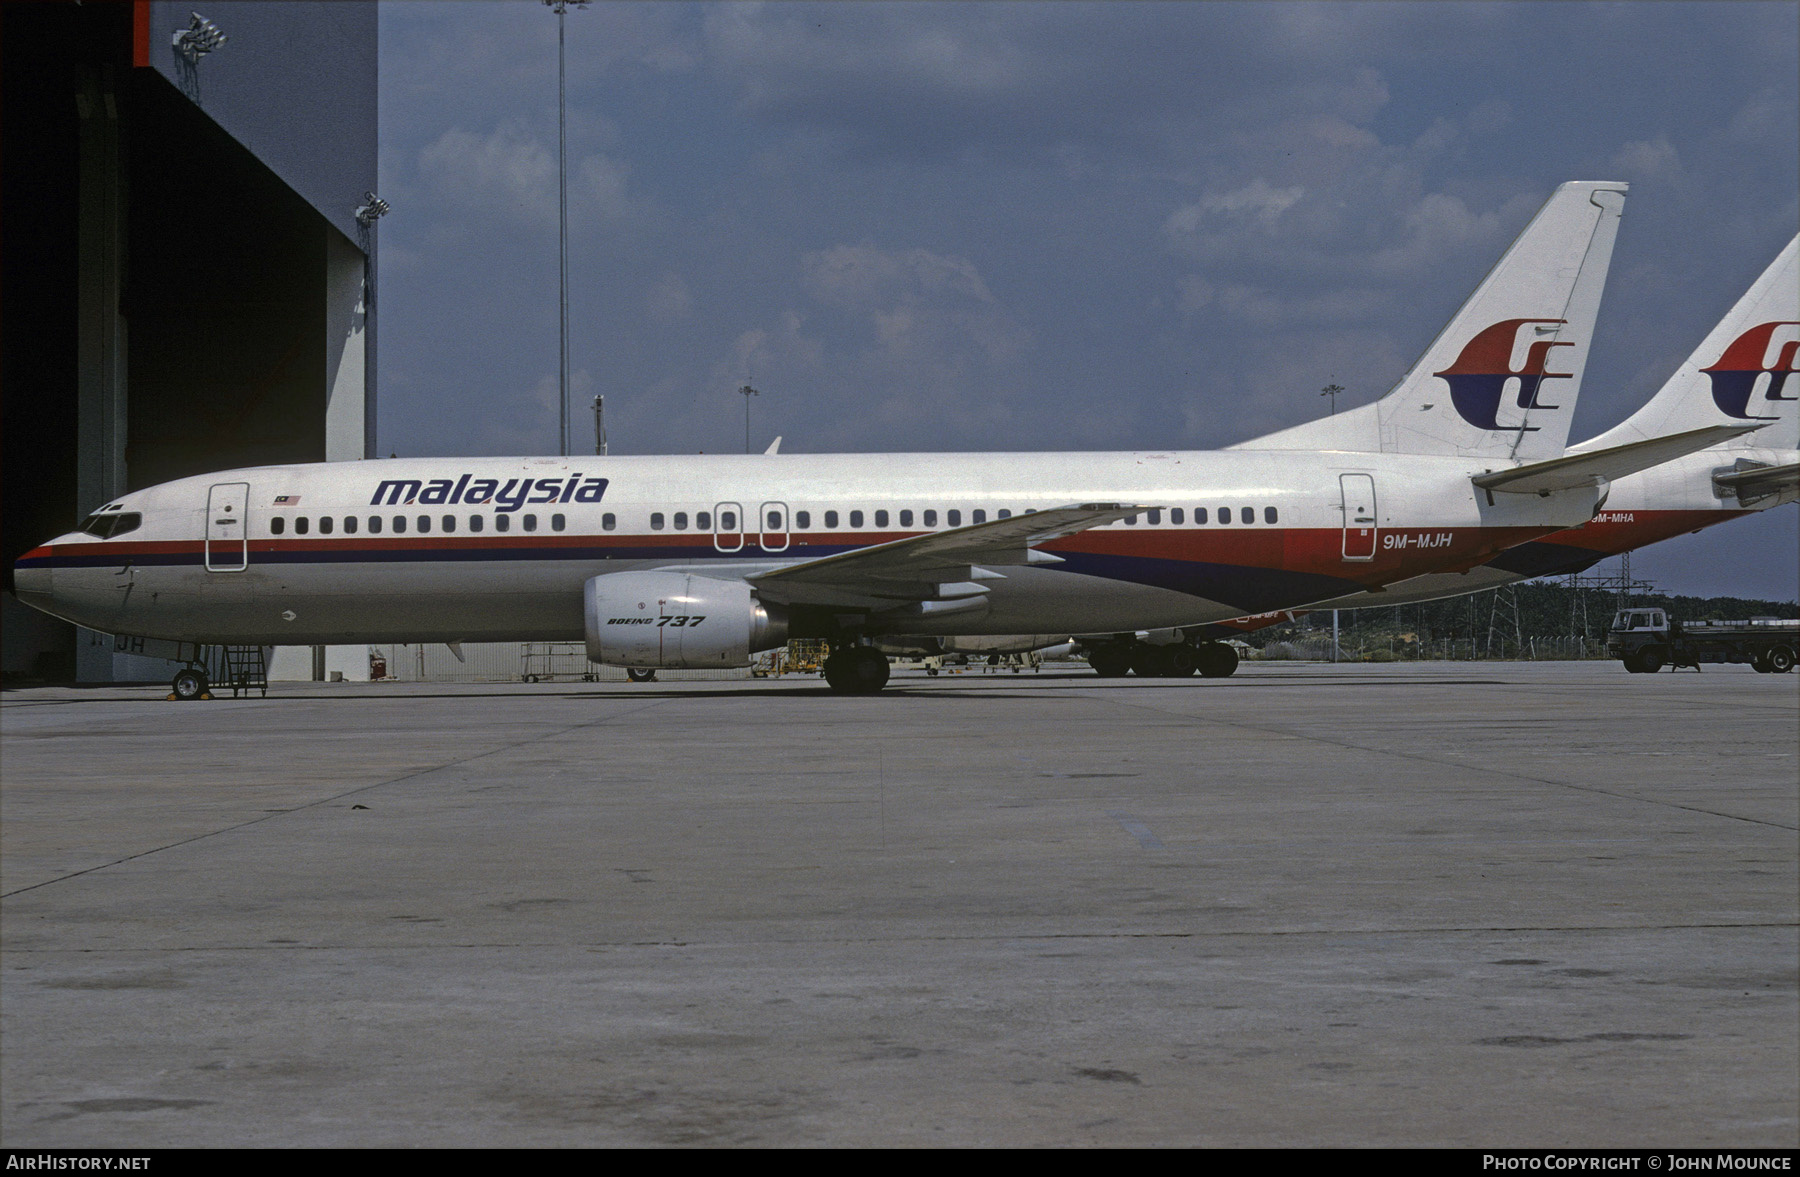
<point x="496" y="549"/>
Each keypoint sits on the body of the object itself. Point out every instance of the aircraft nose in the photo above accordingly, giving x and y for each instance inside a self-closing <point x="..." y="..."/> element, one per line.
<point x="34" y="581"/>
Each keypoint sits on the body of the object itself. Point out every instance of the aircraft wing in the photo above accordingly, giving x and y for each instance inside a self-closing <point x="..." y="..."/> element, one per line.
<point x="939" y="566"/>
<point x="1589" y="469"/>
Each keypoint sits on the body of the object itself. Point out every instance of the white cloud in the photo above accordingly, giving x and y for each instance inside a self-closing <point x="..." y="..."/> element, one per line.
<point x="1648" y="159"/>
<point x="510" y="173"/>
<point x="669" y="299"/>
<point x="507" y="169"/>
<point x="862" y="275"/>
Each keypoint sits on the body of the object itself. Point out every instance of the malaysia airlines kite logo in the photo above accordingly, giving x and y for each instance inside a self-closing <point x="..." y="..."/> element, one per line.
<point x="1734" y="376"/>
<point x="1478" y="378"/>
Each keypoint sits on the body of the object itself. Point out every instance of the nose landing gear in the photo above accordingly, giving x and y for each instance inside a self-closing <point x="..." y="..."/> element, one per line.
<point x="189" y="684"/>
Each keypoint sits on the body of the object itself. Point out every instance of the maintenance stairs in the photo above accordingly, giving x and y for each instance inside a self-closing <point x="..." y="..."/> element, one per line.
<point x="246" y="670"/>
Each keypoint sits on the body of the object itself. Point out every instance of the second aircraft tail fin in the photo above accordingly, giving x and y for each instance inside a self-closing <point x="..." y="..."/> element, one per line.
<point x="1745" y="372"/>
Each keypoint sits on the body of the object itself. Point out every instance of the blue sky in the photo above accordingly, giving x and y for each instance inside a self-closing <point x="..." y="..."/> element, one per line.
<point x="977" y="226"/>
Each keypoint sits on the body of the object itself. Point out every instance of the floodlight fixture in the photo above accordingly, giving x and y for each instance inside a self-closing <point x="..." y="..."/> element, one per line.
<point x="201" y="37"/>
<point x="373" y="208"/>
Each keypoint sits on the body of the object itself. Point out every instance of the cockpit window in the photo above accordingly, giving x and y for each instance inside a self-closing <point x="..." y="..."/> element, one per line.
<point x="107" y="526"/>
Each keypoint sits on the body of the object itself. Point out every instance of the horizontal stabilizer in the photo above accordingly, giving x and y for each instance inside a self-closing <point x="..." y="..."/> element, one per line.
<point x="1761" y="480"/>
<point x="1590" y="469"/>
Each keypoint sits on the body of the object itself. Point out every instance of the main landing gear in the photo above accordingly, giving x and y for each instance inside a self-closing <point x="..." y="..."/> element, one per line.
<point x="856" y="670"/>
<point x="1117" y="659"/>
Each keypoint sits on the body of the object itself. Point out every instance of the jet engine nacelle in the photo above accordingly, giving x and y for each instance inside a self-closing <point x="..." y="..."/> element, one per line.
<point x="677" y="621"/>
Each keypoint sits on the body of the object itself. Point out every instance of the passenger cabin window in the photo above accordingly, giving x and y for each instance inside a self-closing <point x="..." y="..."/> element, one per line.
<point x="1224" y="514"/>
<point x="374" y="525"/>
<point x="1153" y="516"/>
<point x="277" y="525"/>
<point x="954" y="518"/>
<point x="530" y="523"/>
<point x="978" y="515"/>
<point x="803" y="519"/>
<point x="774" y="521"/>
<point x="1247" y="515"/>
<point x="681" y="521"/>
<point x="349" y="525"/>
<point x="703" y="520"/>
<point x="325" y="525"/>
<point x="1175" y="516"/>
<point x="1130" y="520"/>
<point x="1005" y="514"/>
<point x="449" y="523"/>
<point x="831" y="519"/>
<point x="1269" y="515"/>
<point x="503" y="523"/>
<point x="477" y="522"/>
<point x="557" y="522"/>
<point x="856" y="518"/>
<point x="656" y="521"/>
<point x="609" y="521"/>
<point x="424" y="524"/>
<point x="906" y="518"/>
<point x="881" y="519"/>
<point x="727" y="520"/>
<point x="399" y="524"/>
<point x="301" y="525"/>
<point x="1199" y="516"/>
<point x="930" y="518"/>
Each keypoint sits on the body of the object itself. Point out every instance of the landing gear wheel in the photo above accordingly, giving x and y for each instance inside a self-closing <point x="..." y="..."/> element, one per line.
<point x="1182" y="661"/>
<point x="641" y="673"/>
<point x="1149" y="661"/>
<point x="858" y="670"/>
<point x="1112" y="661"/>
<point x="1216" y="660"/>
<point x="1781" y="660"/>
<point x="189" y="684"/>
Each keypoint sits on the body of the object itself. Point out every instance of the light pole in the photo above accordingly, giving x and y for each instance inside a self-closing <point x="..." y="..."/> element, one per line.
<point x="1331" y="390"/>
<point x="747" y="392"/>
<point x="561" y="8"/>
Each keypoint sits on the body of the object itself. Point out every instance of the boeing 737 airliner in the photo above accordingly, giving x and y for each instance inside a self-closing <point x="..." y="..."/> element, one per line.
<point x="692" y="562"/>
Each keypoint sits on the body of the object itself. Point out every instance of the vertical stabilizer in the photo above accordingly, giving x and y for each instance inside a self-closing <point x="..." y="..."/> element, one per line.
<point x="1501" y="380"/>
<point x="1744" y="372"/>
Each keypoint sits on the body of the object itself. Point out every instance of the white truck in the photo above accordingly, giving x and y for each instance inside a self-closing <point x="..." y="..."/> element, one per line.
<point x="1647" y="640"/>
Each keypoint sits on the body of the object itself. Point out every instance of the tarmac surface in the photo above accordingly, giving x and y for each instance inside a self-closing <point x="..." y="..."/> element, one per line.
<point x="1491" y="904"/>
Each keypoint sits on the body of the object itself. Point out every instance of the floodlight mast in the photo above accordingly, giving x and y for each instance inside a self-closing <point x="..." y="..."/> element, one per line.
<point x="561" y="7"/>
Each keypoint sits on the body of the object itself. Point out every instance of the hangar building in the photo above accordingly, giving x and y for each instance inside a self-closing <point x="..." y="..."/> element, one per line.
<point x="185" y="281"/>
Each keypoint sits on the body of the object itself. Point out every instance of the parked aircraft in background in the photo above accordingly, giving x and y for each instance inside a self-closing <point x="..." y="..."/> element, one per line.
<point x="699" y="562"/>
<point x="1745" y="371"/>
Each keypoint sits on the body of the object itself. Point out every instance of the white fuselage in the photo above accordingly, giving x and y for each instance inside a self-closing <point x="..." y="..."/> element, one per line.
<point x="1660" y="503"/>
<point x="486" y="549"/>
